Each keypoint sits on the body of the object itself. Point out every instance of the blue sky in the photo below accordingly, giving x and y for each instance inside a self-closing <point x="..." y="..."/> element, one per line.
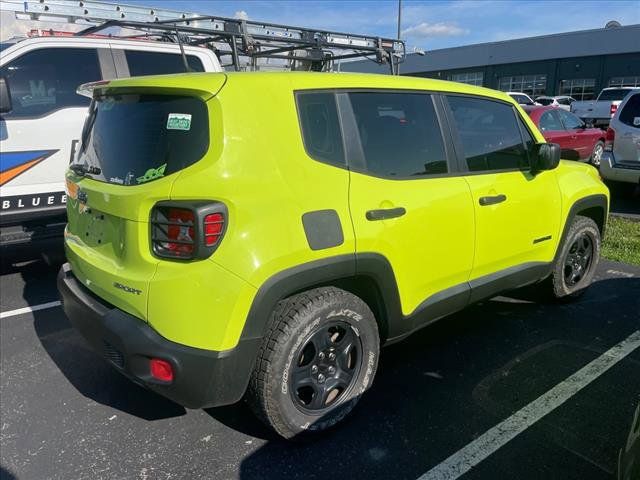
<point x="426" y="24"/>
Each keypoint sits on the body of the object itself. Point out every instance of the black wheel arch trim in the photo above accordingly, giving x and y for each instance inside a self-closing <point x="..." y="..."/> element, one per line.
<point x="597" y="201"/>
<point x="377" y="270"/>
<point x="328" y="271"/>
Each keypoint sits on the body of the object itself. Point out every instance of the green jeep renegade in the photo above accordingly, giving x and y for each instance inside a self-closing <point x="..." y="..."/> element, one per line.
<point x="262" y="235"/>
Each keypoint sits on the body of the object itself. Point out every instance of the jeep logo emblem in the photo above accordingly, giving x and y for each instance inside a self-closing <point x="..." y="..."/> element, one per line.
<point x="127" y="288"/>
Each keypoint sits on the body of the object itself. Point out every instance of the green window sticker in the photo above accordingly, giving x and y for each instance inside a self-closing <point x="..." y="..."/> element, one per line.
<point x="179" y="121"/>
<point x="152" y="174"/>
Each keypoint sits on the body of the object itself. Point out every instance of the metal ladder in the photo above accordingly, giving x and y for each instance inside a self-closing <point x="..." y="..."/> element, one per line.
<point x="228" y="37"/>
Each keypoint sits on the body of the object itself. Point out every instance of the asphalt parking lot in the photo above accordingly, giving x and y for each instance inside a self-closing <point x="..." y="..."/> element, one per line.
<point x="67" y="415"/>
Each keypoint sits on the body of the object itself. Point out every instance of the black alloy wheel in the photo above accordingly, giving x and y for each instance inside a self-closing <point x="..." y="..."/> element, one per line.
<point x="578" y="259"/>
<point x="326" y="367"/>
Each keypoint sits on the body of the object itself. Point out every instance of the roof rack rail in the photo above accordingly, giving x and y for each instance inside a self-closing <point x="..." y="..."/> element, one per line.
<point x="299" y="47"/>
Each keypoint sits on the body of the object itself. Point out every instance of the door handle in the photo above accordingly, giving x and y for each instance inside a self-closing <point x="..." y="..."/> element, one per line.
<point x="385" y="213"/>
<point x="492" y="200"/>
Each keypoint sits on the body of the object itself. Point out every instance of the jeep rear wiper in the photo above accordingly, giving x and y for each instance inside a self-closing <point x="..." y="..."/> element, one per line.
<point x="83" y="169"/>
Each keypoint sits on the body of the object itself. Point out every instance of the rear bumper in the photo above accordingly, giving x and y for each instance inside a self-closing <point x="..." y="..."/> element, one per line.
<point x="202" y="378"/>
<point x="610" y="170"/>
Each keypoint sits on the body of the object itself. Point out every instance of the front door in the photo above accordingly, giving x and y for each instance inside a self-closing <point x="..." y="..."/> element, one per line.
<point x="517" y="213"/>
<point x="404" y="205"/>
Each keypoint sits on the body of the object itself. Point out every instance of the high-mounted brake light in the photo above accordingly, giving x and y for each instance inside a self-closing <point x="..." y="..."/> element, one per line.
<point x="187" y="230"/>
<point x="609" y="138"/>
<point x="161" y="370"/>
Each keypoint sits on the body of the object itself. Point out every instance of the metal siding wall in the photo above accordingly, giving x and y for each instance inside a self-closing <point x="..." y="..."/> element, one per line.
<point x="600" y="68"/>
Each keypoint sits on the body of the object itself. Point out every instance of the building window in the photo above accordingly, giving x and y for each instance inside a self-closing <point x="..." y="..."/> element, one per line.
<point x="532" y="85"/>
<point x="624" y="82"/>
<point x="578" y="88"/>
<point x="472" y="78"/>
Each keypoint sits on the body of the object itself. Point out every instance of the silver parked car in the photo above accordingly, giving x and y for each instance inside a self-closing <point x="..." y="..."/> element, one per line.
<point x="621" y="158"/>
<point x="560" y="101"/>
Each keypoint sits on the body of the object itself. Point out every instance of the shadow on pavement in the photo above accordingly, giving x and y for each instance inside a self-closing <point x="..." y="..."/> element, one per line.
<point x="423" y="404"/>
<point x="91" y="375"/>
<point x="625" y="199"/>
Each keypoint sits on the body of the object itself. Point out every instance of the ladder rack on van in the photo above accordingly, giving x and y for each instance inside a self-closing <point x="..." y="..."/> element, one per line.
<point x="228" y="37"/>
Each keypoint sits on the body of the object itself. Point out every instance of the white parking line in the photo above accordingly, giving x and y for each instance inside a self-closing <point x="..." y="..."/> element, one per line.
<point x="468" y="457"/>
<point x="20" y="311"/>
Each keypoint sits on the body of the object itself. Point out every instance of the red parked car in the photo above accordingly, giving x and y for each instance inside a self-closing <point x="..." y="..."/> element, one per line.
<point x="576" y="139"/>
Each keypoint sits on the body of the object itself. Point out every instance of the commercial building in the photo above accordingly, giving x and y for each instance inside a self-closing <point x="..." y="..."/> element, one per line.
<point x="579" y="63"/>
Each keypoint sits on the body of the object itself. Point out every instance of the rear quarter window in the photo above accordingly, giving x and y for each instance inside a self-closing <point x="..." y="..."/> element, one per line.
<point x="157" y="63"/>
<point x="630" y="114"/>
<point x="320" y="125"/>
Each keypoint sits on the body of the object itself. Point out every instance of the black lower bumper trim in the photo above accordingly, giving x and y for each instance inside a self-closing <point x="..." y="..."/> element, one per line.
<point x="202" y="378"/>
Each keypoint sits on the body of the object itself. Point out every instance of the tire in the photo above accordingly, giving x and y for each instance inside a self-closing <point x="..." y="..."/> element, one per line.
<point x="572" y="271"/>
<point x="596" y="154"/>
<point x="293" y="388"/>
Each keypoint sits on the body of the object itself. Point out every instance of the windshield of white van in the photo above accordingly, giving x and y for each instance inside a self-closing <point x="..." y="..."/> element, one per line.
<point x="133" y="139"/>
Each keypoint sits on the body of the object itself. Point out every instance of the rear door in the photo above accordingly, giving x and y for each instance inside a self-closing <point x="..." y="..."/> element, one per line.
<point x="517" y="214"/>
<point x="40" y="134"/>
<point x="404" y="203"/>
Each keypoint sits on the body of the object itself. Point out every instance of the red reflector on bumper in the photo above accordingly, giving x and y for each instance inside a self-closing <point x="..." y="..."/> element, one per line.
<point x="161" y="370"/>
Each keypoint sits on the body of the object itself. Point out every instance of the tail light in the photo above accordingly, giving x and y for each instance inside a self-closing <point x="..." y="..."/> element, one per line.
<point x="609" y="138"/>
<point x="613" y="109"/>
<point x="187" y="230"/>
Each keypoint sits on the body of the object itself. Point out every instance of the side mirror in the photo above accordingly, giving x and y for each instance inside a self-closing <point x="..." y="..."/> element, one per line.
<point x="5" y="96"/>
<point x="545" y="156"/>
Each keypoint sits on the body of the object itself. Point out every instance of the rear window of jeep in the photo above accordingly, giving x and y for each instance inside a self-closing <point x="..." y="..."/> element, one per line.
<point x="134" y="139"/>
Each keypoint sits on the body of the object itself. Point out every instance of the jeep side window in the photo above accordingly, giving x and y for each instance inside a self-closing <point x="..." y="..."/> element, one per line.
<point x="400" y="134"/>
<point x="489" y="134"/>
<point x="321" y="127"/>
<point x="159" y="63"/>
<point x="45" y="80"/>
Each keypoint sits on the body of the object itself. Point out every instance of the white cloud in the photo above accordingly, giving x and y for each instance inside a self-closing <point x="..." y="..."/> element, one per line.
<point x="241" y="15"/>
<point x="440" y="29"/>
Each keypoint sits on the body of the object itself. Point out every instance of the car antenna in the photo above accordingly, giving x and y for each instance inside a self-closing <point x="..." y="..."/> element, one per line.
<point x="187" y="68"/>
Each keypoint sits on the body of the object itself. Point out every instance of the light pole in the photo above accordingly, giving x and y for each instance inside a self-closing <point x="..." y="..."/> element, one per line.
<point x="399" y="17"/>
<point x="399" y="29"/>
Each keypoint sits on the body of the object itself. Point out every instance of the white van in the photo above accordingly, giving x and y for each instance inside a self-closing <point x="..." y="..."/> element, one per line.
<point x="41" y="119"/>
